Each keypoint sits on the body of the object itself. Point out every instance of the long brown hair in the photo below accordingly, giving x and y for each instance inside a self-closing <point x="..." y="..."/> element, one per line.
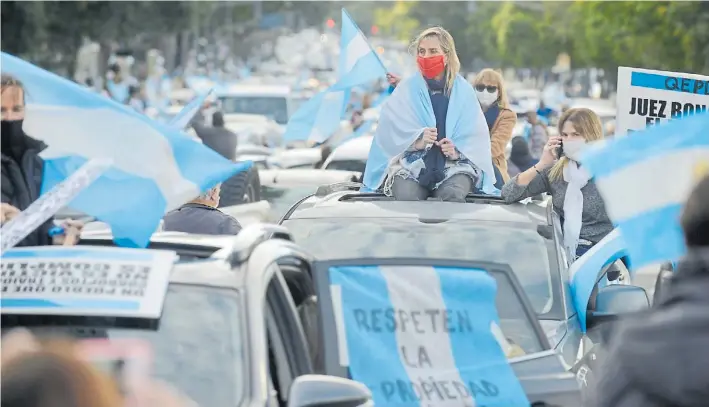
<point x="448" y="47"/>
<point x="54" y="377"/>
<point x="588" y="125"/>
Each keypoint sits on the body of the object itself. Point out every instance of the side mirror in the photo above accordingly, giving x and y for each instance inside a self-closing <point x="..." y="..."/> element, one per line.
<point x="327" y="391"/>
<point x="615" y="300"/>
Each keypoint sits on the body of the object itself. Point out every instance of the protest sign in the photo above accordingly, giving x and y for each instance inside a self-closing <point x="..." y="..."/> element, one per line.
<point x="50" y="203"/>
<point x="646" y="97"/>
<point x="85" y="281"/>
<point x="419" y="336"/>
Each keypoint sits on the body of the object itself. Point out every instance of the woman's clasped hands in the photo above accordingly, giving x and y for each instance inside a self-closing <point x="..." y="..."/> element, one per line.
<point x="430" y="136"/>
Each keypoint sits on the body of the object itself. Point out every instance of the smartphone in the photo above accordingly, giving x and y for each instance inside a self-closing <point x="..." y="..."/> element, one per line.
<point x="126" y="361"/>
<point x="560" y="149"/>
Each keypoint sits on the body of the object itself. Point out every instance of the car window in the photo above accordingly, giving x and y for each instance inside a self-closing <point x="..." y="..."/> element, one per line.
<point x="347" y="165"/>
<point x="282" y="197"/>
<point x="273" y="107"/>
<point x="531" y="257"/>
<point x="197" y="347"/>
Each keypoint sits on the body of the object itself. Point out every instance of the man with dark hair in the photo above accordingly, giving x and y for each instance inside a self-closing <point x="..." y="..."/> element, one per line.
<point x="661" y="357"/>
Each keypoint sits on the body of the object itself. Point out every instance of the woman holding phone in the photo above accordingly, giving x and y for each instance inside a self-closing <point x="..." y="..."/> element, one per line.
<point x="558" y="173"/>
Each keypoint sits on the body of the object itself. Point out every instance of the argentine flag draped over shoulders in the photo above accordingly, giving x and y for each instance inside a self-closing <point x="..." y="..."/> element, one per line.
<point x="156" y="167"/>
<point x="406" y="114"/>
<point x="319" y="118"/>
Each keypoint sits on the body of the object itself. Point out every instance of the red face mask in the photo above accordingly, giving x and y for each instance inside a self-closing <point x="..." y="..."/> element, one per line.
<point x="432" y="66"/>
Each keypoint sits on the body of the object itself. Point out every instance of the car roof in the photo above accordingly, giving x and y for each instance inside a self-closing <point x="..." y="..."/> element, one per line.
<point x="305" y="176"/>
<point x="255" y="90"/>
<point x="355" y="149"/>
<point x="346" y="204"/>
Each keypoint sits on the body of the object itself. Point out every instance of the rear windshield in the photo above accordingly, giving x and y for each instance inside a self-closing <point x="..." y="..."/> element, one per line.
<point x="197" y="347"/>
<point x="531" y="257"/>
<point x="273" y="107"/>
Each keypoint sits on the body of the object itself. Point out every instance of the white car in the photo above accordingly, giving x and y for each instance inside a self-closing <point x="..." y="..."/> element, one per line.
<point x="295" y="158"/>
<point x="273" y="101"/>
<point x="351" y="155"/>
<point x="254" y="128"/>
<point x="282" y="188"/>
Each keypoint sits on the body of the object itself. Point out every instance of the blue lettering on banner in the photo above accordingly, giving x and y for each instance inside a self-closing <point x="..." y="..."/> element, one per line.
<point x="671" y="83"/>
<point x="419" y="336"/>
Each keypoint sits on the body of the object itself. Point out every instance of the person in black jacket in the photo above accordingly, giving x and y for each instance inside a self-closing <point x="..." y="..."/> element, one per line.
<point x="22" y="166"/>
<point x="660" y="358"/>
<point x="201" y="216"/>
<point x="217" y="137"/>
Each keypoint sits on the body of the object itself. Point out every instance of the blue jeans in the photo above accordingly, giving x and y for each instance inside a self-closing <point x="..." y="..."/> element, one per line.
<point x="454" y="189"/>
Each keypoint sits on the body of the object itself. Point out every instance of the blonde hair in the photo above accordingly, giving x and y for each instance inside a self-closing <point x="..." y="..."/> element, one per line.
<point x="587" y="124"/>
<point x="493" y="77"/>
<point x="448" y="47"/>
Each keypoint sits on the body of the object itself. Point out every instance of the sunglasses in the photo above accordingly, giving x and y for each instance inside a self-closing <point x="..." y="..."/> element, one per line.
<point x="482" y="88"/>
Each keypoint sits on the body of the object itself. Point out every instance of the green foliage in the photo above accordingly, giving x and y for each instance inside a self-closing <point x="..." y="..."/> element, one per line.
<point x="667" y="35"/>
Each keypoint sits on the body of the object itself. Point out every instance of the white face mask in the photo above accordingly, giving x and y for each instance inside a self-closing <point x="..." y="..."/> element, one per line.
<point x="573" y="149"/>
<point x="486" y="98"/>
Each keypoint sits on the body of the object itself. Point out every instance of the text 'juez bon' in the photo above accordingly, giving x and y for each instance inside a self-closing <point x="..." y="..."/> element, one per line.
<point x="655" y="110"/>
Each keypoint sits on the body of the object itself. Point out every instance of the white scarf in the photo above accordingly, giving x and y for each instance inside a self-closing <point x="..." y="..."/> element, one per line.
<point x="577" y="178"/>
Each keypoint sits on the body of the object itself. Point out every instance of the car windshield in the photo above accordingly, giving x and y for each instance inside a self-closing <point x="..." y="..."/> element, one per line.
<point x="283" y="197"/>
<point x="347" y="165"/>
<point x="197" y="347"/>
<point x="274" y="107"/>
<point x="531" y="257"/>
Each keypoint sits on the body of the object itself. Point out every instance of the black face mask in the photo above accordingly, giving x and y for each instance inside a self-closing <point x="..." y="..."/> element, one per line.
<point x="11" y="132"/>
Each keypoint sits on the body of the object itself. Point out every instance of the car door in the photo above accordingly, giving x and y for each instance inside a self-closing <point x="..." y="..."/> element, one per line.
<point x="289" y="356"/>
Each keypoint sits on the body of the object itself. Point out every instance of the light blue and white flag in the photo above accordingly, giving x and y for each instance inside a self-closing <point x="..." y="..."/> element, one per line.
<point x="408" y="112"/>
<point x="319" y="118"/>
<point x="645" y="179"/>
<point x="156" y="168"/>
<point x="183" y="119"/>
<point x="433" y="342"/>
<point x="584" y="272"/>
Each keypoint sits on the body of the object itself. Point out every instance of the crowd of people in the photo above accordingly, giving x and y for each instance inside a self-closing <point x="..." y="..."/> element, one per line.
<point x="448" y="160"/>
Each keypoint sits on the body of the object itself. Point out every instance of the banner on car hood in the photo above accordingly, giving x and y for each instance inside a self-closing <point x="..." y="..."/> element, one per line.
<point x="419" y="336"/>
<point x="85" y="281"/>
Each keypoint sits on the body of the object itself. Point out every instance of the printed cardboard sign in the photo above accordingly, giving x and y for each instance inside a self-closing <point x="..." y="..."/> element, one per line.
<point x="84" y="281"/>
<point x="647" y="97"/>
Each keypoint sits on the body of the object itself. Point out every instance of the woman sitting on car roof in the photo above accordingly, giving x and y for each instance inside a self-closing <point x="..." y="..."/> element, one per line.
<point x="574" y="195"/>
<point x="432" y="138"/>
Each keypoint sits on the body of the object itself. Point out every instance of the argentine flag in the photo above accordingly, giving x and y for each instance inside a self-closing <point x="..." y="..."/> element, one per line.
<point x="156" y="167"/>
<point x="318" y="118"/>
<point x="183" y="119"/>
<point x="583" y="273"/>
<point x="424" y="336"/>
<point x="645" y="179"/>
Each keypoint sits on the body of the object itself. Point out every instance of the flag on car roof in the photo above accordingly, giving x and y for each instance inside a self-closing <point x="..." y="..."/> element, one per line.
<point x="645" y="179"/>
<point x="318" y="118"/>
<point x="156" y="167"/>
<point x="183" y="119"/>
